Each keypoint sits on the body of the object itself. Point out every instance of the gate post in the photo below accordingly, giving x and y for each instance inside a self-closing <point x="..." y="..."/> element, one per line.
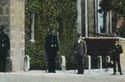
<point x="89" y="63"/>
<point x="63" y="63"/>
<point x="108" y="59"/>
<point x="26" y="63"/>
<point x="99" y="62"/>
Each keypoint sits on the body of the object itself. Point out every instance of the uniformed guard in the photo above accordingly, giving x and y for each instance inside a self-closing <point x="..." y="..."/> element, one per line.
<point x="4" y="47"/>
<point x="116" y="51"/>
<point x="51" y="50"/>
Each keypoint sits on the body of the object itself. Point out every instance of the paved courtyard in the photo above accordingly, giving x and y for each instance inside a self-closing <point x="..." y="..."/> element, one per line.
<point x="68" y="76"/>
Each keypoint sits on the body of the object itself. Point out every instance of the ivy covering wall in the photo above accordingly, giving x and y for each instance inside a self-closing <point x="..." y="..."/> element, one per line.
<point x="58" y="14"/>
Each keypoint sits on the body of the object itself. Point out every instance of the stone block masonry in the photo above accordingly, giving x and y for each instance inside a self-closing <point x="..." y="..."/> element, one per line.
<point x="17" y="31"/>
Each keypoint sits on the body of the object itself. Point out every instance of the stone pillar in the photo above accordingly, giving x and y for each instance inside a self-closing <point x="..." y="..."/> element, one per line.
<point x="91" y="18"/>
<point x="107" y="23"/>
<point x="110" y="24"/>
<point x="96" y="17"/>
<point x="86" y="18"/>
<point x="17" y="31"/>
<point x="79" y="17"/>
<point x="122" y="42"/>
<point x="99" y="58"/>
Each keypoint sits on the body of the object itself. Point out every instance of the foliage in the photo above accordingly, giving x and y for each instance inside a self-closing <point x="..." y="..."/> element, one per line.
<point x="58" y="14"/>
<point x="105" y="5"/>
<point x="118" y="9"/>
<point x="116" y="6"/>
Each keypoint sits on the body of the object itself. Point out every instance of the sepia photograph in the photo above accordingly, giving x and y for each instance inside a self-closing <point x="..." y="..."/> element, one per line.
<point x="62" y="40"/>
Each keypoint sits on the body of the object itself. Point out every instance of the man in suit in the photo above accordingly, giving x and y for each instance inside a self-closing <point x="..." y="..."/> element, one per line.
<point x="80" y="50"/>
<point x="4" y="47"/>
<point x="51" y="50"/>
<point x="117" y="50"/>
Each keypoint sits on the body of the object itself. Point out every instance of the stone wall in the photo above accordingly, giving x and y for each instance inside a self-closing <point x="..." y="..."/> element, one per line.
<point x="17" y="31"/>
<point x="123" y="55"/>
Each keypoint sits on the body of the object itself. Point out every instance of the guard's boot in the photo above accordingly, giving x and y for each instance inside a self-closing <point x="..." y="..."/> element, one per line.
<point x="114" y="73"/>
<point x="121" y="73"/>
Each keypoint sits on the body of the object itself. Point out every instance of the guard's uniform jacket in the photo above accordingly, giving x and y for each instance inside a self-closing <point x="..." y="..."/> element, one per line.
<point x="116" y="51"/>
<point x="4" y="47"/>
<point x="51" y="48"/>
<point x="51" y="43"/>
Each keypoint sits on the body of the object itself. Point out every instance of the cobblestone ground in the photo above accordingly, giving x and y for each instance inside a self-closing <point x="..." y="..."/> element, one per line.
<point x="68" y="76"/>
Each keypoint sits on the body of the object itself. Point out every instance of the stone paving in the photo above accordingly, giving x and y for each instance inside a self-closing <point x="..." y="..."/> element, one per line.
<point x="68" y="76"/>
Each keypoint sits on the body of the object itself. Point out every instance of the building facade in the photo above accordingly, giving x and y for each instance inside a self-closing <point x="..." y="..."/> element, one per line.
<point x="90" y="24"/>
<point x="97" y="29"/>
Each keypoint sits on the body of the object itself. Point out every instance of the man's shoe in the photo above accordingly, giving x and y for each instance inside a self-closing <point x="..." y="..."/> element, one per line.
<point x="121" y="73"/>
<point x="53" y="72"/>
<point x="80" y="73"/>
<point x="113" y="73"/>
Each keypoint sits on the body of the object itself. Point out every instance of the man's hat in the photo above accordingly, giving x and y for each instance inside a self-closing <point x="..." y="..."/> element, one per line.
<point x="2" y="27"/>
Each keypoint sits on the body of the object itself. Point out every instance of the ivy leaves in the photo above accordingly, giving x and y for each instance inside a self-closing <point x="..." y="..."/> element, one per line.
<point x="58" y="14"/>
<point x="118" y="6"/>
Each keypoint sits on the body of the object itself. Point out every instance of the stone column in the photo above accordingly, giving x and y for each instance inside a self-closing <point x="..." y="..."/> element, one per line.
<point x="86" y="18"/>
<point x="79" y="17"/>
<point x="91" y="18"/>
<point x="110" y="24"/>
<point x="96" y="16"/>
<point x="122" y="42"/>
<point x="17" y="38"/>
<point x="107" y="22"/>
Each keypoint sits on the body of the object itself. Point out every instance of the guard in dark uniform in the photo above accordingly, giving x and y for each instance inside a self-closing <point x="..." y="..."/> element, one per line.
<point x="51" y="49"/>
<point x="117" y="50"/>
<point x="4" y="47"/>
<point x="80" y="50"/>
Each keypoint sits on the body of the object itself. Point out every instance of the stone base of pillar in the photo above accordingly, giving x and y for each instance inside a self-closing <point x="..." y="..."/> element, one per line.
<point x="8" y="64"/>
<point x="17" y="64"/>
